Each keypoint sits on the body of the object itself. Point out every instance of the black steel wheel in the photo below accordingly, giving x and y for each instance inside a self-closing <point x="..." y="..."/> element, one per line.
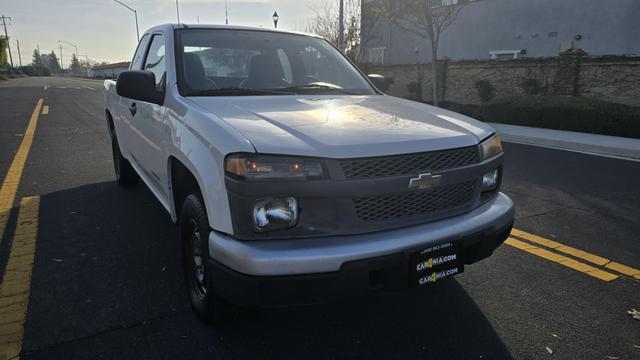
<point x="194" y="236"/>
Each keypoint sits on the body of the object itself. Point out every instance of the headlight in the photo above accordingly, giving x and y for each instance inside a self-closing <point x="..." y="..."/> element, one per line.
<point x="256" y="167"/>
<point x="490" y="147"/>
<point x="275" y="213"/>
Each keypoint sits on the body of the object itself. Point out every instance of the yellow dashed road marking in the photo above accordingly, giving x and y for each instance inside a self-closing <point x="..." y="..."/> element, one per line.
<point x="45" y="110"/>
<point x="12" y="180"/>
<point x="577" y="253"/>
<point x="561" y="259"/>
<point x="14" y="290"/>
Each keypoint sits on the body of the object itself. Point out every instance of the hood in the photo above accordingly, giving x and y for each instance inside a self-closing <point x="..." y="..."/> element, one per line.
<point x="343" y="126"/>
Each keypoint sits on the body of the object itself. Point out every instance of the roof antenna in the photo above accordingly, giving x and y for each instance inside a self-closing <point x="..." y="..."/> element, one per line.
<point x="178" y="12"/>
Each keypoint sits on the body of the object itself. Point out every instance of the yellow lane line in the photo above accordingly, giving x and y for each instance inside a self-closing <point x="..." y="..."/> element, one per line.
<point x="561" y="259"/>
<point x="594" y="259"/>
<point x="12" y="180"/>
<point x="623" y="269"/>
<point x="45" y="110"/>
<point x="16" y="282"/>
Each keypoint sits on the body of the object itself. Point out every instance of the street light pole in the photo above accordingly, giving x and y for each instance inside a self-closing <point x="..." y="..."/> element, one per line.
<point x="68" y="43"/>
<point x="178" y="12"/>
<point x="341" y="27"/>
<point x="226" y="13"/>
<point x="275" y="18"/>
<point x="61" y="64"/>
<point x="134" y="13"/>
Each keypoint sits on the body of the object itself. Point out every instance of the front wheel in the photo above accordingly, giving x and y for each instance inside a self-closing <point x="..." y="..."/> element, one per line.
<point x="194" y="236"/>
<point x="126" y="176"/>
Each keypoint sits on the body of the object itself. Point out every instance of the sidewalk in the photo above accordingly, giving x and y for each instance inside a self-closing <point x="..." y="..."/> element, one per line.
<point x="614" y="146"/>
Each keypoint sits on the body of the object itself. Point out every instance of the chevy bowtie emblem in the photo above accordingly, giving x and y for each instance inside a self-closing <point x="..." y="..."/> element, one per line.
<point x="425" y="181"/>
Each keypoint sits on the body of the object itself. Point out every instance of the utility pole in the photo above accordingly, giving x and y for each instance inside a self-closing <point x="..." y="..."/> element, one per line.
<point x="4" y="24"/>
<point x="19" y="56"/>
<point x="341" y="27"/>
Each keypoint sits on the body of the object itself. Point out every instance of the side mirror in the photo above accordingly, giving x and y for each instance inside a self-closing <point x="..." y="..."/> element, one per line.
<point x="379" y="81"/>
<point x="138" y="85"/>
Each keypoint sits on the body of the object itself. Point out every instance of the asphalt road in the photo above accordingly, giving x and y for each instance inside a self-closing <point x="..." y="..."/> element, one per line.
<point x="106" y="281"/>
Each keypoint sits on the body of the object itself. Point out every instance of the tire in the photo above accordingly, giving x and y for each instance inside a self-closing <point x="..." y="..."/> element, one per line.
<point x="194" y="237"/>
<point x="126" y="176"/>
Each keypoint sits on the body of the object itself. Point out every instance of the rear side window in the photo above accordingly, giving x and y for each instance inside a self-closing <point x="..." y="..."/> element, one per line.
<point x="138" y="57"/>
<point x="156" y="60"/>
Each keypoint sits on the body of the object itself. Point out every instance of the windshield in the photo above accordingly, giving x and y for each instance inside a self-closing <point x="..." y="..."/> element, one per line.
<point x="244" y="62"/>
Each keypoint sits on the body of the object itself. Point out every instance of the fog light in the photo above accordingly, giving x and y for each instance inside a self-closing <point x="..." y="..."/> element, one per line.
<point x="275" y="213"/>
<point x="490" y="180"/>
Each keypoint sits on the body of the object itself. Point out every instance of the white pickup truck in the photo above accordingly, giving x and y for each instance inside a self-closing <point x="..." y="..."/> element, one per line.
<point x="292" y="176"/>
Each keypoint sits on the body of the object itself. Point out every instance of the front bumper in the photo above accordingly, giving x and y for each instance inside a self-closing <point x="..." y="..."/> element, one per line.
<point x="329" y="254"/>
<point x="287" y="273"/>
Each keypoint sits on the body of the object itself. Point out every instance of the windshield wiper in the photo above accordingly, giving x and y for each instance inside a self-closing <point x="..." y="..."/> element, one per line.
<point x="236" y="91"/>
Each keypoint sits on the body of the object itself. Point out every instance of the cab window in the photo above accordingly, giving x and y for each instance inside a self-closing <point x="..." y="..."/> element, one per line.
<point x="138" y="57"/>
<point x="155" y="61"/>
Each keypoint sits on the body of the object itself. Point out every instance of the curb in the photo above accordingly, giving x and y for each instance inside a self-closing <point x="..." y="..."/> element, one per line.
<point x="602" y="145"/>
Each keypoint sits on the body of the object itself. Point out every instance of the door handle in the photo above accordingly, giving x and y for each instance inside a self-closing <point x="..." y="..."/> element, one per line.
<point x="133" y="109"/>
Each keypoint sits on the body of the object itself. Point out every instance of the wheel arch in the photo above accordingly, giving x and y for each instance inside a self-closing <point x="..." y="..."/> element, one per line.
<point x="110" y="124"/>
<point x="182" y="182"/>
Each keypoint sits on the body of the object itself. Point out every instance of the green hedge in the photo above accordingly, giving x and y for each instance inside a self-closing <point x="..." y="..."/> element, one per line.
<point x="558" y="112"/>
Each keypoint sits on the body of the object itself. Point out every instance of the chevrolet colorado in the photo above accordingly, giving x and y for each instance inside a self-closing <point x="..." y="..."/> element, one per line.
<point x="292" y="177"/>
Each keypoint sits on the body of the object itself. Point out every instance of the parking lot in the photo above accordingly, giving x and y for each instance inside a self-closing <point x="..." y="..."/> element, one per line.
<point x="106" y="279"/>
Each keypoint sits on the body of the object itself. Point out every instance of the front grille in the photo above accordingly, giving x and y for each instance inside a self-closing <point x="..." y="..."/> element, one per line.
<point x="430" y="202"/>
<point x="410" y="164"/>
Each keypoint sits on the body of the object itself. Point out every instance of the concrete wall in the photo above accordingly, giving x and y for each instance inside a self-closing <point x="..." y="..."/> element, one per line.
<point x="607" y="27"/>
<point x="610" y="78"/>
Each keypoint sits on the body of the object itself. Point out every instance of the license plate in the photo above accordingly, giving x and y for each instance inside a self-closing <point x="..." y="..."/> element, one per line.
<point x="435" y="263"/>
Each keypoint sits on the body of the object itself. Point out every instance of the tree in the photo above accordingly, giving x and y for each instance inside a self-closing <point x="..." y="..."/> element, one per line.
<point x="428" y="19"/>
<point x="75" y="66"/>
<point x="37" y="67"/>
<point x="3" y="51"/>
<point x="36" y="59"/>
<point x="357" y="31"/>
<point x="369" y="19"/>
<point x="50" y="61"/>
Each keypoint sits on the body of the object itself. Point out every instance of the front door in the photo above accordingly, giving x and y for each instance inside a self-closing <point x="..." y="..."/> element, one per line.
<point x="149" y="122"/>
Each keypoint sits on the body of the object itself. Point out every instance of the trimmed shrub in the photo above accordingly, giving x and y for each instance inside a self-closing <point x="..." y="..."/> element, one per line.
<point x="485" y="90"/>
<point x="559" y="112"/>
<point x="414" y="89"/>
<point x="532" y="87"/>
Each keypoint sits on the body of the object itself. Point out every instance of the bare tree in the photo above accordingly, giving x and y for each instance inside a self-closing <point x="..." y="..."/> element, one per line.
<point x="427" y="19"/>
<point x="369" y="20"/>
<point x="357" y="33"/>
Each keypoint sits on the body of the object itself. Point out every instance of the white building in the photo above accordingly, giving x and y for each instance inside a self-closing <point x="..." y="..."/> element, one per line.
<point x="109" y="70"/>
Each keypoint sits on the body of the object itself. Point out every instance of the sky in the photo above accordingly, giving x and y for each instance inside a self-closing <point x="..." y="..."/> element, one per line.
<point x="106" y="31"/>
